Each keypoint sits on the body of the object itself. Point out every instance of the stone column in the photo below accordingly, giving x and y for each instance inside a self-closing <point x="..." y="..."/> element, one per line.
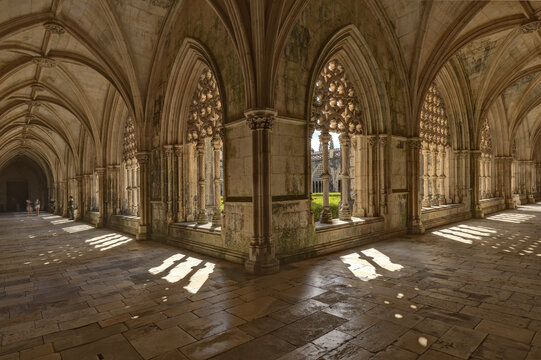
<point x="326" y="216"/>
<point x="415" y="225"/>
<point x="530" y="181"/>
<point x="426" y="175"/>
<point x="371" y="176"/>
<point x="477" y="212"/>
<point x="129" y="209"/>
<point x="262" y="258"/>
<point x="80" y="190"/>
<point x="201" y="214"/>
<point x="168" y="150"/>
<point x="101" y="196"/>
<point x="458" y="178"/>
<point x="144" y="220"/>
<point x="345" y="211"/>
<point x="216" y="146"/>
<point x="382" y="177"/>
<point x="180" y="183"/>
<point x="442" y="199"/>
<point x="435" y="195"/>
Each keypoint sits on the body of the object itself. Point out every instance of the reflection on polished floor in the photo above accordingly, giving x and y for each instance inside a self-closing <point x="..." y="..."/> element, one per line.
<point x="468" y="290"/>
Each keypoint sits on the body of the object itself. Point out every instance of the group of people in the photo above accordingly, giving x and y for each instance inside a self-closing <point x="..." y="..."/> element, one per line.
<point x="30" y="209"/>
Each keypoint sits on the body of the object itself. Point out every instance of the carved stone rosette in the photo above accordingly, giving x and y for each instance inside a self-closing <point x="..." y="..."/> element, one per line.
<point x="54" y="27"/>
<point x="44" y="61"/>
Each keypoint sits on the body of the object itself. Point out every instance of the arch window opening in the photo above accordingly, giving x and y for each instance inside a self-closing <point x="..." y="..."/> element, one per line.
<point x="435" y="150"/>
<point x="335" y="118"/>
<point x="205" y="134"/>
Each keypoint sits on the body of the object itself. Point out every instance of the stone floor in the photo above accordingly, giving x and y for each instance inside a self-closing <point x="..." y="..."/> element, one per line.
<point x="467" y="291"/>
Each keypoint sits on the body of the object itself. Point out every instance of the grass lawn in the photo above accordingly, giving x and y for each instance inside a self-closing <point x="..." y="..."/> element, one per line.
<point x="317" y="204"/>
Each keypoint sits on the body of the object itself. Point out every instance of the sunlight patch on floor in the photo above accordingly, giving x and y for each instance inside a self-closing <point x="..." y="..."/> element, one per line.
<point x="361" y="268"/>
<point x="511" y="218"/>
<point x="77" y="228"/>
<point x="166" y="264"/>
<point x="382" y="260"/>
<point x="452" y="237"/>
<point x="180" y="271"/>
<point x="199" y="278"/>
<point x="61" y="221"/>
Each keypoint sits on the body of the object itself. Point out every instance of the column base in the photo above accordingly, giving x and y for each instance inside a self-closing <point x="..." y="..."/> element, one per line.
<point x="443" y="201"/>
<point x="478" y="213"/>
<point x="426" y="203"/>
<point x="262" y="260"/>
<point x="217" y="219"/>
<point x="142" y="233"/>
<point x="531" y="199"/>
<point x="202" y="218"/>
<point x="326" y="216"/>
<point x="344" y="214"/>
<point x="416" y="227"/>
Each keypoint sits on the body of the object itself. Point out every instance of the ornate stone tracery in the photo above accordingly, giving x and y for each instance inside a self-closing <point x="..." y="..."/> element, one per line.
<point x="486" y="162"/>
<point x="130" y="204"/>
<point x="434" y="132"/>
<point x="206" y="109"/>
<point x="335" y="106"/>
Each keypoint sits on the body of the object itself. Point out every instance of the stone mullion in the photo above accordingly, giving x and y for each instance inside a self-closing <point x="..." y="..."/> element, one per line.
<point x="371" y="176"/>
<point x="79" y="179"/>
<point x="482" y="190"/>
<point x="435" y="195"/>
<point x="101" y="196"/>
<point x="382" y="176"/>
<point x="426" y="175"/>
<point x="345" y="143"/>
<point x="201" y="214"/>
<point x="441" y="178"/>
<point x="142" y="159"/>
<point x="326" y="216"/>
<point x="168" y="150"/>
<point x="217" y="216"/>
<point x="475" y="176"/>
<point x="360" y="174"/>
<point x="413" y="167"/>
<point x="129" y="189"/>
<point x="180" y="183"/>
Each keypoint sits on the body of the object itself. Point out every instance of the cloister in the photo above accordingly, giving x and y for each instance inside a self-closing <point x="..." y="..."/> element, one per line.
<point x="187" y="131"/>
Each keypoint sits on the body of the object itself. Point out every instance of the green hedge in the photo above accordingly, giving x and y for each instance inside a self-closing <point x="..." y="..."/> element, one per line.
<point x="317" y="204"/>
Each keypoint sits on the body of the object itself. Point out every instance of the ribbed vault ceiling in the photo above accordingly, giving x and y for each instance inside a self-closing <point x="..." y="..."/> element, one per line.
<point x="63" y="61"/>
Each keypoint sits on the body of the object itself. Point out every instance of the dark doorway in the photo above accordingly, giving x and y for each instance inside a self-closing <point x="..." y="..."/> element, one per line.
<point x="17" y="194"/>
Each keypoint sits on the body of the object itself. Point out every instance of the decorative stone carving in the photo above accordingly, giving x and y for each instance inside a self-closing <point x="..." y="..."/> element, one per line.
<point x="44" y="62"/>
<point x="434" y="126"/>
<point x="530" y="27"/>
<point x="486" y="139"/>
<point x="334" y="104"/>
<point x="260" y="119"/>
<point x="129" y="143"/>
<point x="206" y="109"/>
<point x="54" y="27"/>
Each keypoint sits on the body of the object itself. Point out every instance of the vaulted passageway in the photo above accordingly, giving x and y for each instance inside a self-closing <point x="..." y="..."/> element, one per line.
<point x="468" y="289"/>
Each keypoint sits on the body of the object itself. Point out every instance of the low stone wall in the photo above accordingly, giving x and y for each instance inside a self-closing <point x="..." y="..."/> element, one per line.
<point x="444" y="214"/>
<point x="204" y="240"/>
<point x="91" y="217"/>
<point x="492" y="205"/>
<point x="336" y="237"/>
<point x="127" y="224"/>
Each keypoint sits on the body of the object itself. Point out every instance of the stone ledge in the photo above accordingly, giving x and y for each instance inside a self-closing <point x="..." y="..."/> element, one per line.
<point x="444" y="214"/>
<point x="492" y="205"/>
<point x="125" y="223"/>
<point x="199" y="227"/>
<point x="338" y="224"/>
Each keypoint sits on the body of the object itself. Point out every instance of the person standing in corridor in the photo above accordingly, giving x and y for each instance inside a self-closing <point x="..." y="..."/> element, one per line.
<point x="71" y="215"/>
<point x="28" y="207"/>
<point x="37" y="206"/>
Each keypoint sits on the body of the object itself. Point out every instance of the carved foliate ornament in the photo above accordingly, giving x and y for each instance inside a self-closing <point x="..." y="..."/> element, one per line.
<point x="44" y="61"/>
<point x="434" y="126"/>
<point x="335" y="106"/>
<point x="486" y="139"/>
<point x="530" y="27"/>
<point x="206" y="115"/>
<point x="54" y="27"/>
<point x="129" y="143"/>
<point x="260" y="119"/>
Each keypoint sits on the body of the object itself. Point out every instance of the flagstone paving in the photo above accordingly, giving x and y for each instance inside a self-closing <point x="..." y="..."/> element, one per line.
<point x="469" y="290"/>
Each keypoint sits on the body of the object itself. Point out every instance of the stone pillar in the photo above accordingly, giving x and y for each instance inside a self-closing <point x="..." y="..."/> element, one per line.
<point x="201" y="213"/>
<point x="435" y="195"/>
<point x="475" y="172"/>
<point x="180" y="182"/>
<point x="144" y="220"/>
<point x="530" y="181"/>
<point x="382" y="175"/>
<point x="262" y="258"/>
<point x="426" y="175"/>
<point x="345" y="211"/>
<point x="101" y="196"/>
<point x="326" y="216"/>
<point x="79" y="179"/>
<point x="216" y="146"/>
<point x="371" y="176"/>
<point x="415" y="225"/>
<point x="458" y="178"/>
<point x="442" y="198"/>
<point x="168" y="150"/>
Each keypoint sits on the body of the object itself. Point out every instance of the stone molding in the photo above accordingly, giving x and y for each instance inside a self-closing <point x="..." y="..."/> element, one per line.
<point x="44" y="61"/>
<point x="530" y="27"/>
<point x="260" y="119"/>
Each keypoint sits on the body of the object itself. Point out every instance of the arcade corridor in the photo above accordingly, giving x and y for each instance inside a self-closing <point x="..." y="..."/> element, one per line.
<point x="467" y="290"/>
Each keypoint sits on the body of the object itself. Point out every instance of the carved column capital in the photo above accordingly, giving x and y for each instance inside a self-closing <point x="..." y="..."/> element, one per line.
<point x="260" y="119"/>
<point x="178" y="150"/>
<point x="142" y="157"/>
<point x="168" y="150"/>
<point x="372" y="140"/>
<point x="383" y="140"/>
<point x="100" y="170"/>
<point x="414" y="142"/>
